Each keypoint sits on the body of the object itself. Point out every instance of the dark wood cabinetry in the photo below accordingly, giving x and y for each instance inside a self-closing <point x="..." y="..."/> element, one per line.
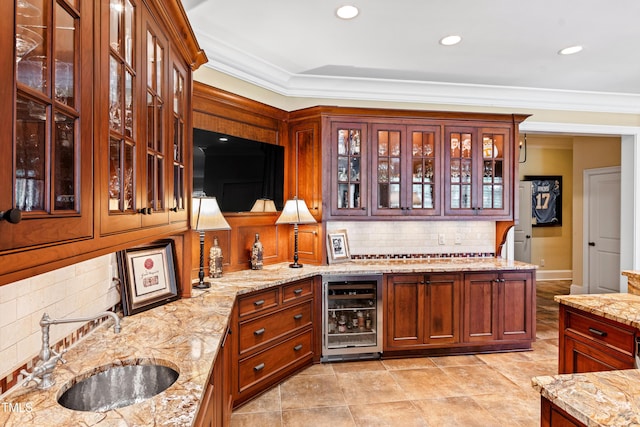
<point x="590" y="343"/>
<point x="552" y="416"/>
<point x="422" y="310"/>
<point x="100" y="118"/>
<point x="499" y="306"/>
<point x="275" y="337"/>
<point x="459" y="312"/>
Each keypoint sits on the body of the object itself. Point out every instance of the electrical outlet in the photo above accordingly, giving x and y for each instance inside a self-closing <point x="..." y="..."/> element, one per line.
<point x="441" y="239"/>
<point x="458" y="239"/>
<point x="541" y="262"/>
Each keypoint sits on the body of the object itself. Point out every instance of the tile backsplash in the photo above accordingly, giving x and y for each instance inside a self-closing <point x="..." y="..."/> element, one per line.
<point x="417" y="237"/>
<point x="79" y="290"/>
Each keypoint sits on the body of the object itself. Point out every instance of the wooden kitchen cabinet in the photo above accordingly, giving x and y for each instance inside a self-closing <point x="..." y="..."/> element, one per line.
<point x="406" y="169"/>
<point x="553" y="416"/>
<point x="215" y="407"/>
<point x="46" y="122"/>
<point x="422" y="310"/>
<point x="499" y="306"/>
<point x="477" y="172"/>
<point x="145" y="129"/>
<point x="275" y="337"/>
<point x="589" y="343"/>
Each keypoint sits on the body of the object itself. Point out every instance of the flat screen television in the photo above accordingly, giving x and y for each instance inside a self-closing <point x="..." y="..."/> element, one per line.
<point x="237" y="171"/>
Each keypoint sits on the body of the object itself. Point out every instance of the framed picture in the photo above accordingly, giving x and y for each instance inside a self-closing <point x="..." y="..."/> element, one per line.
<point x="546" y="200"/>
<point x="148" y="276"/>
<point x="338" y="246"/>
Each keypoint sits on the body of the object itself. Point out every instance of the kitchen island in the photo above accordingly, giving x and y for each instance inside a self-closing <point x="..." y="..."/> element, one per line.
<point x="604" y="398"/>
<point x="187" y="335"/>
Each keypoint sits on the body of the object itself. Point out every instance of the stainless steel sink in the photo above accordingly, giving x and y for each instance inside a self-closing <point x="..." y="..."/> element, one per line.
<point x="117" y="386"/>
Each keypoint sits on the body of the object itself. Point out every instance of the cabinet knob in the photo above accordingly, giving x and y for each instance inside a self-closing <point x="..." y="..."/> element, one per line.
<point x="258" y="332"/>
<point x="174" y="209"/>
<point x="298" y="347"/>
<point x="259" y="367"/>
<point x="297" y="316"/>
<point x="12" y="216"/>
<point x="258" y="303"/>
<point x="145" y="211"/>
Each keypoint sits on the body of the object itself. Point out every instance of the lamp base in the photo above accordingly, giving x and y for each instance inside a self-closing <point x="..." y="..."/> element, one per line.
<point x="295" y="265"/>
<point x="202" y="285"/>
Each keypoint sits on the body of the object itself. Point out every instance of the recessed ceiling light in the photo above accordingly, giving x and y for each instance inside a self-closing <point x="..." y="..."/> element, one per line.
<point x="347" y="12"/>
<point x="223" y="139"/>
<point x="450" y="40"/>
<point x="570" y="50"/>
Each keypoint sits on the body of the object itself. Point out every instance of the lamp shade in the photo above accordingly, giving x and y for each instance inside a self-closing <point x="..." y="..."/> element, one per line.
<point x="264" y="205"/>
<point x="207" y="215"/>
<point x="295" y="212"/>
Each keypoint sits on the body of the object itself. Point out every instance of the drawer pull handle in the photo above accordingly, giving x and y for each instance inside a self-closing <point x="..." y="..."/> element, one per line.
<point x="259" y="367"/>
<point x="297" y="291"/>
<point x="298" y="316"/>
<point x="298" y="347"/>
<point x="597" y="332"/>
<point x="258" y="303"/>
<point x="259" y="332"/>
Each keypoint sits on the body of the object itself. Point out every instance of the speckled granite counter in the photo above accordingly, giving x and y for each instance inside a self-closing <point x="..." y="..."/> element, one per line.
<point x="610" y="398"/>
<point x="185" y="335"/>
<point x="623" y="308"/>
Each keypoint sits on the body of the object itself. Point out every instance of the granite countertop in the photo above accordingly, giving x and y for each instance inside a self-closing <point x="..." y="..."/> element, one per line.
<point x="186" y="336"/>
<point x="606" y="399"/>
<point x="623" y="308"/>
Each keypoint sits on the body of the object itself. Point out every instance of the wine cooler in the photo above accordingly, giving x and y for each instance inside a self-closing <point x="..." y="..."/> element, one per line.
<point x="351" y="317"/>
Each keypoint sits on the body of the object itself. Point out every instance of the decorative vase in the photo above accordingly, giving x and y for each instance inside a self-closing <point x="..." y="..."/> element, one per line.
<point x="215" y="260"/>
<point x="256" y="254"/>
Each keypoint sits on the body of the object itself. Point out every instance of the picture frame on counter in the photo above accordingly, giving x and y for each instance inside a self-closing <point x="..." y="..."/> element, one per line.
<point x="338" y="246"/>
<point x="148" y="276"/>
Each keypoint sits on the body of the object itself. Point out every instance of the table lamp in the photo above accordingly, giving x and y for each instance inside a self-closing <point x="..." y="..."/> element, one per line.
<point x="206" y="215"/>
<point x="295" y="212"/>
<point x="264" y="205"/>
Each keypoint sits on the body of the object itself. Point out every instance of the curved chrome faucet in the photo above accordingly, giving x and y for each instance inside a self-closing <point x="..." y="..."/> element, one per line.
<point x="42" y="373"/>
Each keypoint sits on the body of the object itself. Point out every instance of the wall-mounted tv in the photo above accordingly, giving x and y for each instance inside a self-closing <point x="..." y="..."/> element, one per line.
<point x="237" y="171"/>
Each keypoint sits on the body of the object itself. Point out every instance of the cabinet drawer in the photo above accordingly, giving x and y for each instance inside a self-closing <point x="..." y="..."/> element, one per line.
<point x="598" y="329"/>
<point x="264" y="329"/>
<point x="273" y="360"/>
<point x="297" y="290"/>
<point x="257" y="302"/>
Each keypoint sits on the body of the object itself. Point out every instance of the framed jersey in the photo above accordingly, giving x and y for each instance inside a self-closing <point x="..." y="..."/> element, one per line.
<point x="546" y="200"/>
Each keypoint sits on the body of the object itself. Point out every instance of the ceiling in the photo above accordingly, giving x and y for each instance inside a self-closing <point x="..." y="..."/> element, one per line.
<point x="508" y="55"/>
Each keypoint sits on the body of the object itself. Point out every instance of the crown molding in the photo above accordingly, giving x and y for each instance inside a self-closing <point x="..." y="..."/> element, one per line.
<point x="231" y="61"/>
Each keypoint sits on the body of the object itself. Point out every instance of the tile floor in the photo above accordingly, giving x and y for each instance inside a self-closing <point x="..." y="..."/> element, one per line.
<point x="481" y="390"/>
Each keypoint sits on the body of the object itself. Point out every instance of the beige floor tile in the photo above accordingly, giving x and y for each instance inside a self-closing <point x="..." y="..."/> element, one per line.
<point x="522" y="372"/>
<point x="427" y="383"/>
<point x="266" y="402"/>
<point x="318" y="369"/>
<point x="317" y="417"/>
<point x="471" y="359"/>
<point x="270" y="419"/>
<point x="392" y="414"/>
<point x="360" y="366"/>
<point x="518" y="406"/>
<point x="544" y="350"/>
<point x="311" y="391"/>
<point x="497" y="359"/>
<point x="456" y="412"/>
<point x="410" y="363"/>
<point x="478" y="379"/>
<point x="369" y="387"/>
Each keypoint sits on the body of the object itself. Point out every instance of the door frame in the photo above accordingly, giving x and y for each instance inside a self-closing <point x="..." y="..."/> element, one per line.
<point x="629" y="188"/>
<point x="587" y="196"/>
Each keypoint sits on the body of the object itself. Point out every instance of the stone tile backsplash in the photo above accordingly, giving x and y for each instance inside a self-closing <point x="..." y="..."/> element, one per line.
<point x="391" y="238"/>
<point x="78" y="290"/>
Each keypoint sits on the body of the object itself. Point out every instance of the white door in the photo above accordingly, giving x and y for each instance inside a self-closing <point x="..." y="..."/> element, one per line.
<point x="602" y="223"/>
<point x="522" y="230"/>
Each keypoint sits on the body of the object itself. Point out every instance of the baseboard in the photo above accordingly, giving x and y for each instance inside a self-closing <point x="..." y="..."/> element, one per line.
<point x="554" y="274"/>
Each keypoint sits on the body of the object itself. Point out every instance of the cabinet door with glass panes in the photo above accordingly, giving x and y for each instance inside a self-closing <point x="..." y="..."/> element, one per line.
<point x="476" y="173"/>
<point x="138" y="157"/>
<point x="349" y="172"/>
<point x="405" y="170"/>
<point x="46" y="122"/>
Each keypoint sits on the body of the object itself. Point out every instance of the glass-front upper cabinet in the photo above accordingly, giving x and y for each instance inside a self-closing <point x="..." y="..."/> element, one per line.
<point x="477" y="171"/>
<point x="349" y="172"/>
<point x="45" y="196"/>
<point x="179" y="141"/>
<point x="405" y="169"/>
